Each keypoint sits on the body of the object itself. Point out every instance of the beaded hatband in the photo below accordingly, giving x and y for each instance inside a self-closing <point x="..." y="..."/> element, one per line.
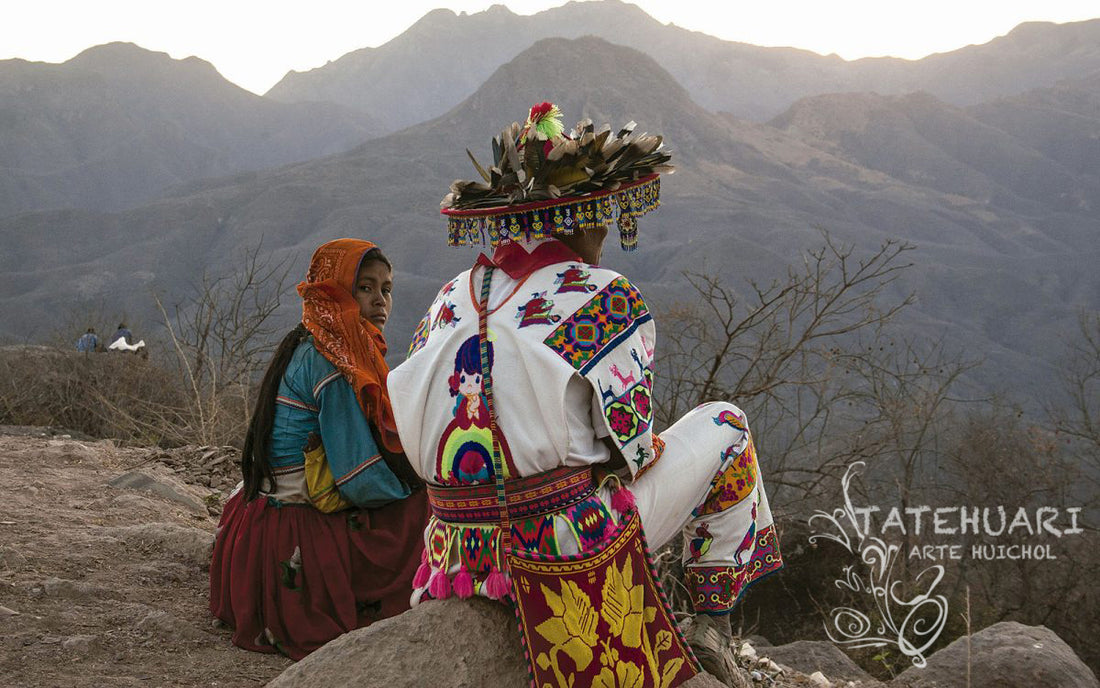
<point x="540" y="219"/>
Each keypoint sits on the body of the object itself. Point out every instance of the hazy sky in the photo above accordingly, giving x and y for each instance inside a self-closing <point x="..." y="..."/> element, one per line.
<point x="253" y="43"/>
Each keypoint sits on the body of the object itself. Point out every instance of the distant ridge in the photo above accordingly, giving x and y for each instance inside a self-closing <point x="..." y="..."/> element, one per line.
<point x="444" y="57"/>
<point x="117" y="125"/>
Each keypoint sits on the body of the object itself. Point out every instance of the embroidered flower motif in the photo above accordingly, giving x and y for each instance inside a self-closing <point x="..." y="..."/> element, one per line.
<point x="626" y="675"/>
<point x="624" y="604"/>
<point x="572" y="628"/>
<point x="621" y="421"/>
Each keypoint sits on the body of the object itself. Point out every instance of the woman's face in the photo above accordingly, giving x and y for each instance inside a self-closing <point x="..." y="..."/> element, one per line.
<point x="374" y="292"/>
<point x="469" y="383"/>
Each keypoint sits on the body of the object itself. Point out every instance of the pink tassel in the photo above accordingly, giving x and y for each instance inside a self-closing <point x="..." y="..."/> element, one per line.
<point x="422" y="575"/>
<point x="464" y="583"/>
<point x="623" y="500"/>
<point x="496" y="585"/>
<point x="440" y="585"/>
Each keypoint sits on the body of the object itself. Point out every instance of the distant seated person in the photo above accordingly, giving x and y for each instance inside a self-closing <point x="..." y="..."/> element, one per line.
<point x="121" y="341"/>
<point x="324" y="536"/>
<point x="121" y="333"/>
<point x="88" y="342"/>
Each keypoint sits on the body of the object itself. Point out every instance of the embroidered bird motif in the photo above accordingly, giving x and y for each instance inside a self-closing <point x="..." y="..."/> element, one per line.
<point x="537" y="311"/>
<point x="574" y="279"/>
<point x="446" y="316"/>
<point x="700" y="545"/>
<point x="744" y="550"/>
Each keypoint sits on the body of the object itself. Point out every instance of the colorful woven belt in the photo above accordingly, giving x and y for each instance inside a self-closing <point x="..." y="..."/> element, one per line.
<point x="527" y="497"/>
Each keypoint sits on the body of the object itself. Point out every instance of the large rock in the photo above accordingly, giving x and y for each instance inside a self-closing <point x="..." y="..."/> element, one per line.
<point x="808" y="656"/>
<point x="449" y="644"/>
<point x="1005" y="655"/>
<point x="161" y="485"/>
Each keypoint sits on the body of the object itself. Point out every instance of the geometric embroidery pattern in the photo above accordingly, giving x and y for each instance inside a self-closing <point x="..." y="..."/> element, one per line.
<point x="613" y="311"/>
<point x="420" y="336"/>
<point x="715" y="589"/>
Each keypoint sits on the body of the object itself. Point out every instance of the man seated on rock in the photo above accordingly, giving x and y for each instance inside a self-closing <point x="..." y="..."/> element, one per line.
<point x="528" y="383"/>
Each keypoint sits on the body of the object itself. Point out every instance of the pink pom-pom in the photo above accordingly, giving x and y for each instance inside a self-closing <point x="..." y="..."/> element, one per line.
<point x="422" y="575"/>
<point x="440" y="585"/>
<point x="497" y="586"/>
<point x="464" y="583"/>
<point x="623" y="500"/>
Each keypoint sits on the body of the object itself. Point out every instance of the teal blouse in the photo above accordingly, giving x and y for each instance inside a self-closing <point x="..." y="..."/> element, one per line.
<point x="315" y="397"/>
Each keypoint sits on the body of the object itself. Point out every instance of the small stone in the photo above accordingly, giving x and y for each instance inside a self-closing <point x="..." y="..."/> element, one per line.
<point x="5" y="612"/>
<point x="79" y="643"/>
<point x="819" y="679"/>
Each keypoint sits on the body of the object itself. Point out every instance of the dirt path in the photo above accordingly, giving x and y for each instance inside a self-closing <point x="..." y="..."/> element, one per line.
<point x="106" y="584"/>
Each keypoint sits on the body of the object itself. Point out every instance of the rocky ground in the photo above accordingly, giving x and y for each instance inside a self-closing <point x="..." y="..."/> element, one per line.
<point x="103" y="581"/>
<point x="103" y="555"/>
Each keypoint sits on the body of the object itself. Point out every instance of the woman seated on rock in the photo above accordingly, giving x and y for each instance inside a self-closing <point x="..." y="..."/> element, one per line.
<point x="324" y="535"/>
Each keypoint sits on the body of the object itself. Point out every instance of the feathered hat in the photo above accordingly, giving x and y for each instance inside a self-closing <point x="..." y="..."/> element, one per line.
<point x="544" y="180"/>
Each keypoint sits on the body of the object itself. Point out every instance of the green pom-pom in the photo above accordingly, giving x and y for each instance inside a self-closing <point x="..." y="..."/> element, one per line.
<point x="546" y="121"/>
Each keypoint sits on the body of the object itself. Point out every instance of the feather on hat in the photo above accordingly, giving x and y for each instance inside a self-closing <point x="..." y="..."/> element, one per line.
<point x="544" y="181"/>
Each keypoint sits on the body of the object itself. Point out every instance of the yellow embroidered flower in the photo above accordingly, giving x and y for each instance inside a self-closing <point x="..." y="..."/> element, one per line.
<point x="573" y="626"/>
<point x="624" y="604"/>
<point x="626" y="675"/>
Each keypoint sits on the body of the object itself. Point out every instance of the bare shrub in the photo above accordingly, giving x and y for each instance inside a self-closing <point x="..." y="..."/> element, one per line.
<point x="198" y="391"/>
<point x="220" y="342"/>
<point x="83" y="392"/>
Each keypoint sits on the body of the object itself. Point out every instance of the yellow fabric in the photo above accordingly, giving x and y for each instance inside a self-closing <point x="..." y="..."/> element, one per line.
<point x="320" y="484"/>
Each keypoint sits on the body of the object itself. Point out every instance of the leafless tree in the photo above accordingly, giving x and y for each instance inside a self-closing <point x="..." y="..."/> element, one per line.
<point x="796" y="354"/>
<point x="221" y="341"/>
<point x="1078" y="421"/>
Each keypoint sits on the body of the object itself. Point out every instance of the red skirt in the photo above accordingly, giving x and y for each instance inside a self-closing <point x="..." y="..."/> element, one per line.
<point x="290" y="578"/>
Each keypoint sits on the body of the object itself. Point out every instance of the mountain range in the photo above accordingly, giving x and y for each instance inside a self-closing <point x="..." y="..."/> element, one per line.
<point x="118" y="125"/>
<point x="999" y="197"/>
<point x="445" y="57"/>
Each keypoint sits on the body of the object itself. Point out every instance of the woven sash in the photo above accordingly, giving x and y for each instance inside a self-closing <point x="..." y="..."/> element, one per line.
<point x="594" y="618"/>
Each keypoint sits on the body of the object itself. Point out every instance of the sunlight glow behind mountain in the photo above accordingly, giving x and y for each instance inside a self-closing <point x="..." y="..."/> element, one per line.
<point x="253" y="43"/>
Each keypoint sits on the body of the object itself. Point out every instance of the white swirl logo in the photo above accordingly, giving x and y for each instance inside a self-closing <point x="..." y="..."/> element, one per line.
<point x="911" y="625"/>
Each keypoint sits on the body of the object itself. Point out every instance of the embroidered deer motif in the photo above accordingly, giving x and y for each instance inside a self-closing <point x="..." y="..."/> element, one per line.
<point x="625" y="381"/>
<point x="607" y="396"/>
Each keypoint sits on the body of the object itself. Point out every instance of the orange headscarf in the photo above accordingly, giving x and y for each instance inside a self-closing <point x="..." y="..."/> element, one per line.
<point x="350" y="342"/>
